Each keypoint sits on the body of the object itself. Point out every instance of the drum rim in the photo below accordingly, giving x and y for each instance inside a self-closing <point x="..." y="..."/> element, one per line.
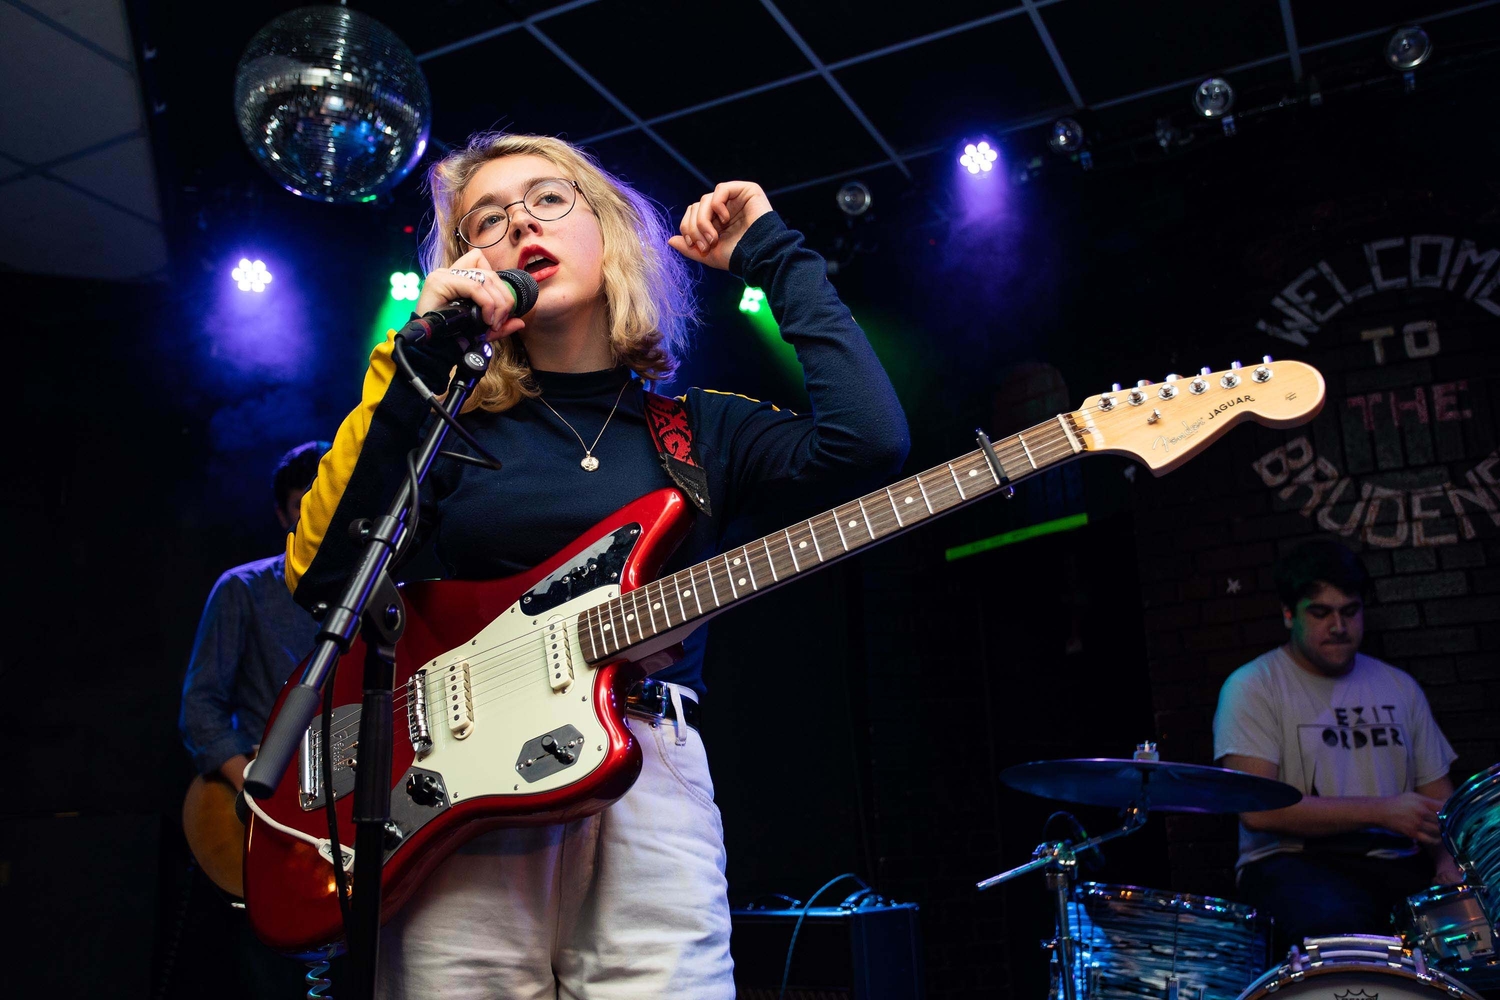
<point x="1283" y="977"/>
<point x="1166" y="899"/>
<point x="1441" y="893"/>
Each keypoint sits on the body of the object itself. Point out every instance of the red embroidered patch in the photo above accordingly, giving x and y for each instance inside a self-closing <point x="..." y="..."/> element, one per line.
<point x="669" y="427"/>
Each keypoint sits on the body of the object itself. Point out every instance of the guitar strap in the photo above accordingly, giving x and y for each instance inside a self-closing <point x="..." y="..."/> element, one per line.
<point x="667" y="419"/>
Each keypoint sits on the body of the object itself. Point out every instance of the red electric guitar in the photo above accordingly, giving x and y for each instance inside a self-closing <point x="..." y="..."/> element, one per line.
<point x="509" y="694"/>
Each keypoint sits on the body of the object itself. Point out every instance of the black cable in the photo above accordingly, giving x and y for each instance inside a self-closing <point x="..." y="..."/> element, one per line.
<point x="786" y="972"/>
<point x="398" y="351"/>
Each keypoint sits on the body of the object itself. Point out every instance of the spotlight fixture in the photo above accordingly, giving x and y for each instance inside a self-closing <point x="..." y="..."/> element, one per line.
<point x="1408" y="48"/>
<point x="405" y="286"/>
<point x="977" y="157"/>
<point x="854" y="199"/>
<point x="752" y="300"/>
<point x="1067" y="136"/>
<point x="251" y="275"/>
<point x="1214" y="97"/>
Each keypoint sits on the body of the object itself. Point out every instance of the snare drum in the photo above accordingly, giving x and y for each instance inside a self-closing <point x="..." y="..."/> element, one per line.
<point x="1356" y="965"/>
<point x="1140" y="942"/>
<point x="1448" y="925"/>
<point x="1471" y="832"/>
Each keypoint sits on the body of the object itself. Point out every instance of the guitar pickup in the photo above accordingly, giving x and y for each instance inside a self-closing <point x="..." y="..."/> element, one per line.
<point x="458" y="700"/>
<point x="559" y="655"/>
<point x="416" y="713"/>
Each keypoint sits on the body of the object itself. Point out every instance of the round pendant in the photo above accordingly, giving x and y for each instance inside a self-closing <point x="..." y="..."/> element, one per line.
<point x="589" y="463"/>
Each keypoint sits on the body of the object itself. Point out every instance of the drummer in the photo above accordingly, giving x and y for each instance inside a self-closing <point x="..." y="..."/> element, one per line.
<point x="1356" y="737"/>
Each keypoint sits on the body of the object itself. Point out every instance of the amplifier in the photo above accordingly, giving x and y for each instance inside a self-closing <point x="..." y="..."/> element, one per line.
<point x="870" y="952"/>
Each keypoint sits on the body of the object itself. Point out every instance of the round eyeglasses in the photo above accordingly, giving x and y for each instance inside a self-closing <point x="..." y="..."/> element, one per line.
<point x="545" y="201"/>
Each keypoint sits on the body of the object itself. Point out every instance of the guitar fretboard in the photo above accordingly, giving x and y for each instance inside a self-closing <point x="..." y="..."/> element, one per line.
<point x="709" y="586"/>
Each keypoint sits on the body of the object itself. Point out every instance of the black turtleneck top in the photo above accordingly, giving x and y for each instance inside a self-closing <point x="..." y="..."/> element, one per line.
<point x="764" y="464"/>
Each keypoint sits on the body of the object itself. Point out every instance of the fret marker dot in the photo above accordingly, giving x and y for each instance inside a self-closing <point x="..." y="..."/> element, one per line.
<point x="801" y="545"/>
<point x="908" y="499"/>
<point x="742" y="581"/>
<point x="688" y="592"/>
<point x="606" y="626"/>
<point x="656" y="606"/>
<point x="736" y="562"/>
<point x="853" y="523"/>
<point x="630" y="618"/>
<point x="973" y="472"/>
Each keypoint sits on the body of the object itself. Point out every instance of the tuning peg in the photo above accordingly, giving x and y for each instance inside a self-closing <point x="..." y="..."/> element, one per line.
<point x="1173" y="378"/>
<point x="1114" y="387"/>
<point x="1235" y="365"/>
<point x="1265" y="359"/>
<point x="1143" y="383"/>
<point x="1205" y="370"/>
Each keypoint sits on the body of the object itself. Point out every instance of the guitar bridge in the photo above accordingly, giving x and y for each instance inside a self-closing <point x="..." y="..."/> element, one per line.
<point x="416" y="713"/>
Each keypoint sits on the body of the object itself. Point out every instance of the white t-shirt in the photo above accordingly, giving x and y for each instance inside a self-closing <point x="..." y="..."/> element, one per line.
<point x="1368" y="733"/>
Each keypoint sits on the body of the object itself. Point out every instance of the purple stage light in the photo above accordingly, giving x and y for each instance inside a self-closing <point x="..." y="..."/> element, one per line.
<point x="251" y="275"/>
<point x="978" y="157"/>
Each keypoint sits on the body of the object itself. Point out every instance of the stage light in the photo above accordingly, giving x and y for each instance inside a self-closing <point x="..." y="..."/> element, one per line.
<point x="1408" y="48"/>
<point x="854" y="199"/>
<point x="1213" y="98"/>
<point x="1067" y="136"/>
<point x="251" y="275"/>
<point x="978" y="157"/>
<point x="752" y="300"/>
<point x="405" y="286"/>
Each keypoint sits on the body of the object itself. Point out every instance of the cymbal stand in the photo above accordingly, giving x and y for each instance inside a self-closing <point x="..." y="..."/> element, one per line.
<point x="1059" y="860"/>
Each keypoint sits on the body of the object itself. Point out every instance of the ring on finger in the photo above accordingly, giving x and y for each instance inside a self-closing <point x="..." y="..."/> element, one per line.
<point x="468" y="272"/>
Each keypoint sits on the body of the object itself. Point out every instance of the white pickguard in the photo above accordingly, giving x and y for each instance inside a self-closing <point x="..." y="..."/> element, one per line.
<point x="513" y="702"/>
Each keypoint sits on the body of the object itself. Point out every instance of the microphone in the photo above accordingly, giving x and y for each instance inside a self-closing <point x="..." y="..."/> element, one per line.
<point x="461" y="318"/>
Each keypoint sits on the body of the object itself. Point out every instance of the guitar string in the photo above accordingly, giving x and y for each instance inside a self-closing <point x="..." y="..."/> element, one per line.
<point x="483" y="662"/>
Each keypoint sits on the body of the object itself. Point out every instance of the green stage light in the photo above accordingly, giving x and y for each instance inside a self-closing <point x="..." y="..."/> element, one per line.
<point x="753" y="301"/>
<point x="405" y="286"/>
<point x="1068" y="523"/>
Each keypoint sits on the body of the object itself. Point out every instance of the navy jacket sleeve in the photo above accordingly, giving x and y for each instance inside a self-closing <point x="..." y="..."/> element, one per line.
<point x="856" y="434"/>
<point x="207" y="717"/>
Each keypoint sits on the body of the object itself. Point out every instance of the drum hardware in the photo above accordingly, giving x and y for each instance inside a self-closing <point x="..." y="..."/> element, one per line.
<point x="1356" y="965"/>
<point x="1138" y="785"/>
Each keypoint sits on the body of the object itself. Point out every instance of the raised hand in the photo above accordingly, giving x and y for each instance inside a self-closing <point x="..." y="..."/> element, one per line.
<point x="471" y="278"/>
<point x="712" y="226"/>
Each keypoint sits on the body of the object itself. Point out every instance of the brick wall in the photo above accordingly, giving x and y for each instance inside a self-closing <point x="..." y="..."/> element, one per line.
<point x="1401" y="465"/>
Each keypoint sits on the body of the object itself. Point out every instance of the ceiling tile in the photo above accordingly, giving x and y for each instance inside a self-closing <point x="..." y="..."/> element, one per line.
<point x="124" y="174"/>
<point x="533" y="91"/>
<point x="685" y="66"/>
<point x="73" y="96"/>
<point x="983" y="78"/>
<point x="1112" y="49"/>
<point x="102" y="23"/>
<point x="434" y="23"/>
<point x="838" y="29"/>
<point x="778" y="137"/>
<point x="57" y="230"/>
<point x="1322" y="22"/>
<point x="639" y="161"/>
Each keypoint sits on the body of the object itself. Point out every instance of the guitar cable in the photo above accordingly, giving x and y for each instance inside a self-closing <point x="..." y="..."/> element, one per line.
<point x="786" y="972"/>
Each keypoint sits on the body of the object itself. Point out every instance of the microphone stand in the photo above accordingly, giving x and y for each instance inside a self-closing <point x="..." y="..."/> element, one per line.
<point x="371" y="604"/>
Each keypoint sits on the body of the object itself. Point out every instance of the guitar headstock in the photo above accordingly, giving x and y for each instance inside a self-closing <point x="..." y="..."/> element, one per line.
<point x="1164" y="424"/>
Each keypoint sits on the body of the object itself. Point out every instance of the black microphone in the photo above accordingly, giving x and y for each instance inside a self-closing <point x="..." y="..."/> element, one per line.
<point x="461" y="318"/>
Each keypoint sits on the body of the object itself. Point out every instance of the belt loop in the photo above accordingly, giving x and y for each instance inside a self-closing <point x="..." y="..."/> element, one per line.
<point x="679" y="724"/>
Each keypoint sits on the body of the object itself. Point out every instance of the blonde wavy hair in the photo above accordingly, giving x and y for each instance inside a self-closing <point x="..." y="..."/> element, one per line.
<point x="647" y="288"/>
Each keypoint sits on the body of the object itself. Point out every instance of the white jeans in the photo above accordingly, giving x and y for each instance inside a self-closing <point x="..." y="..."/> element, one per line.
<point x="628" y="904"/>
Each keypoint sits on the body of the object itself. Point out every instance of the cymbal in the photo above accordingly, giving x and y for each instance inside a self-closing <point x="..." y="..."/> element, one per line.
<point x="1157" y="785"/>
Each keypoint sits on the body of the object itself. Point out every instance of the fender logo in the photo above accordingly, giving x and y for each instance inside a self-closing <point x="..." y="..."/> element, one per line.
<point x="1165" y="443"/>
<point x="1236" y="401"/>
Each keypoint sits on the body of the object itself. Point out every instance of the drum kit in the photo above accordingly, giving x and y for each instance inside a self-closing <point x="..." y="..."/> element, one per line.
<point x="1121" y="942"/>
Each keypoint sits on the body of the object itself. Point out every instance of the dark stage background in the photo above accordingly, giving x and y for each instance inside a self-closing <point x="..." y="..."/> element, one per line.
<point x="843" y="738"/>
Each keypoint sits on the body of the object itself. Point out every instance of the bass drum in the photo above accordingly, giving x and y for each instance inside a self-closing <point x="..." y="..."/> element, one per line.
<point x="1356" y="966"/>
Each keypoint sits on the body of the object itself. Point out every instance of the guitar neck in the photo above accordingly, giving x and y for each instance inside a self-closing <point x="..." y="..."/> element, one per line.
<point x="667" y="604"/>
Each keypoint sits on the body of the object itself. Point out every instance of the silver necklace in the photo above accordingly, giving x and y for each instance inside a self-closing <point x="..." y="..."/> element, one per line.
<point x="589" y="462"/>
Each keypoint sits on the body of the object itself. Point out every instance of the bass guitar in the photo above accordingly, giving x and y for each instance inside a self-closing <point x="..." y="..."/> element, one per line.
<point x="510" y="694"/>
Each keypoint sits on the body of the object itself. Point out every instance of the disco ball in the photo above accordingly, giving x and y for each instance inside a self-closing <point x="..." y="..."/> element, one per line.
<point x="332" y="104"/>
